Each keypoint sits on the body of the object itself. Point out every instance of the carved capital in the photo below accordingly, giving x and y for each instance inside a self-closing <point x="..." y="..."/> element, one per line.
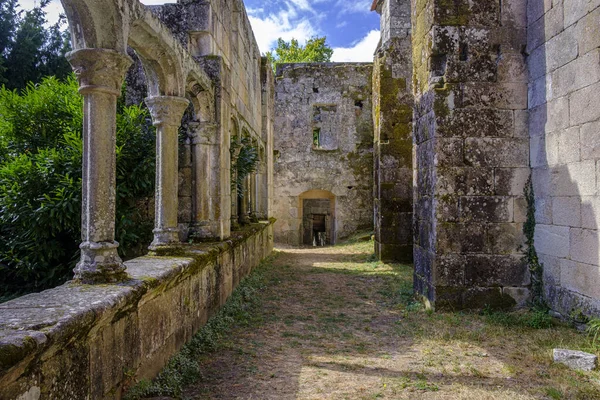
<point x="167" y="110"/>
<point x="99" y="69"/>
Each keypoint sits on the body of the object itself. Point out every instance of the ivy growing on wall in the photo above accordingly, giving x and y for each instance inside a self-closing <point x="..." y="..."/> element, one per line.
<point x="244" y="164"/>
<point x="536" y="269"/>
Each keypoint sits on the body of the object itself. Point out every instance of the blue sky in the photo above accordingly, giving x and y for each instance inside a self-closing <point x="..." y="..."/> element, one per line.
<point x="351" y="28"/>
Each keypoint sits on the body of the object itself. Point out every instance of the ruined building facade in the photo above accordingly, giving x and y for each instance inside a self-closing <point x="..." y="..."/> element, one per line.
<point x="470" y="146"/>
<point x="484" y="129"/>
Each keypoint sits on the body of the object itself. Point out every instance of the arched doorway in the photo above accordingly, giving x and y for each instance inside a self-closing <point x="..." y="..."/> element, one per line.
<point x="317" y="216"/>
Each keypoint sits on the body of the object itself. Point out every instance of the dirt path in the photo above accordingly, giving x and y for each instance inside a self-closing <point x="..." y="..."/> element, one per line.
<point x="334" y="324"/>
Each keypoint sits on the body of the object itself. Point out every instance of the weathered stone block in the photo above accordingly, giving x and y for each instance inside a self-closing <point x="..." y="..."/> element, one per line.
<point x="395" y="253"/>
<point x="581" y="72"/>
<point x="576" y="359"/>
<point x="585" y="247"/>
<point x="583" y="105"/>
<point x="448" y="298"/>
<point x="510" y="181"/>
<point x="465" y="181"/>
<point x="576" y="9"/>
<point x="580" y="278"/>
<point x="536" y="9"/>
<point x="520" y="295"/>
<point x="552" y="240"/>
<point x="496" y="270"/>
<point x="502" y="95"/>
<point x="497" y="152"/>
<point x="449" y="152"/>
<point x="569" y="146"/>
<point x="477" y="122"/>
<point x="504" y="238"/>
<point x="490" y="298"/>
<point x="577" y="179"/>
<point x="587" y="32"/>
<point x="486" y="208"/>
<point x="561" y="49"/>
<point x="545" y="28"/>
<point x="566" y="211"/>
<point x="590" y="141"/>
<point x="450" y="270"/>
<point x="590" y="212"/>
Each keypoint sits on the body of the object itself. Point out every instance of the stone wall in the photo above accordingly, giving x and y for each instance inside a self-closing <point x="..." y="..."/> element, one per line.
<point x="86" y="341"/>
<point x="472" y="152"/>
<point x="219" y="34"/>
<point x="393" y="142"/>
<point x="564" y="102"/>
<point x="323" y="146"/>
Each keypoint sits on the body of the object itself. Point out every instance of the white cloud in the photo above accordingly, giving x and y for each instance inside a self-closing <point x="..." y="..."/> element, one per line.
<point x="362" y="51"/>
<point x="54" y="9"/>
<point x="357" y="6"/>
<point x="267" y="30"/>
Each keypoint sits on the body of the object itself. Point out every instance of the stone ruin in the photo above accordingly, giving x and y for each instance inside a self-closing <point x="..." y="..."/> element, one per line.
<point x="470" y="145"/>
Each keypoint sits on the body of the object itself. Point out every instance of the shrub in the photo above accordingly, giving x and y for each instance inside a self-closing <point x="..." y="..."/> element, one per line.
<point x="40" y="183"/>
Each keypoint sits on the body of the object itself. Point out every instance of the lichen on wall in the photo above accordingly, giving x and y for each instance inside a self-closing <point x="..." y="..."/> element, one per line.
<point x="324" y="143"/>
<point x="471" y="153"/>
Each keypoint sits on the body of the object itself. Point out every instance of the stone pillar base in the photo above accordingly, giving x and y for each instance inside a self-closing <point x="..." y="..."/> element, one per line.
<point x="203" y="231"/>
<point x="100" y="263"/>
<point x="165" y="237"/>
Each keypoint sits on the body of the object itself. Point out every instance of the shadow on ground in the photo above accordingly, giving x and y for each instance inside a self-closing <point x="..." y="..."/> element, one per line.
<point x="335" y="324"/>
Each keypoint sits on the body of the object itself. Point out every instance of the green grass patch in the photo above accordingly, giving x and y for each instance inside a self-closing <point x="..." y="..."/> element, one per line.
<point x="184" y="369"/>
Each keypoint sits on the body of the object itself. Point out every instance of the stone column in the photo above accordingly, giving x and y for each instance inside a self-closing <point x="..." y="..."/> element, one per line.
<point x="100" y="73"/>
<point x="393" y="143"/>
<point x="167" y="112"/>
<point x="205" y="173"/>
<point x="472" y="153"/>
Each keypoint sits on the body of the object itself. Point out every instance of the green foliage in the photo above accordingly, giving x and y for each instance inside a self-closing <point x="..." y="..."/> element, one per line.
<point x="29" y="51"/>
<point x="40" y="183"/>
<point x="535" y="267"/>
<point x="315" y="49"/>
<point x="244" y="164"/>
<point x="593" y="330"/>
<point x="536" y="319"/>
<point x="183" y="368"/>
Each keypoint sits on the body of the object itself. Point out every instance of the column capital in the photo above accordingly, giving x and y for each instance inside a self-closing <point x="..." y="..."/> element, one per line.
<point x="99" y="69"/>
<point x="203" y="132"/>
<point x="167" y="110"/>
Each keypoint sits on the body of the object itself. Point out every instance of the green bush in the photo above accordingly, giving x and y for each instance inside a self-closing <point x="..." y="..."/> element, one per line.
<point x="40" y="183"/>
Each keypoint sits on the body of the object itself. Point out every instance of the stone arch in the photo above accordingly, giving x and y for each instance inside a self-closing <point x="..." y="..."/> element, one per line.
<point x="164" y="72"/>
<point x="316" y="213"/>
<point x="88" y="22"/>
<point x="202" y="101"/>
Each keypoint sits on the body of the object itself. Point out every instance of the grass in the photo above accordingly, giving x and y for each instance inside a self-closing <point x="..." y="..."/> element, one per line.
<point x="333" y="323"/>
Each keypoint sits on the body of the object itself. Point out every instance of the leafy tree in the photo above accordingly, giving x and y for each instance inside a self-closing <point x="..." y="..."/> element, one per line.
<point x="315" y="49"/>
<point x="29" y="51"/>
<point x="40" y="183"/>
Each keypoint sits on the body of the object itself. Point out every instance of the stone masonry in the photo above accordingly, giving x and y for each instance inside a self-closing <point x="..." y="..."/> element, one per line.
<point x="433" y="146"/>
<point x="323" y="147"/>
<point x="564" y="129"/>
<point x="200" y="60"/>
<point x="472" y="152"/>
<point x="393" y="143"/>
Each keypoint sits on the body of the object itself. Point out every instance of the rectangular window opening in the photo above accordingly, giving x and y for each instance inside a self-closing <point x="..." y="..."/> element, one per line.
<point x="317" y="137"/>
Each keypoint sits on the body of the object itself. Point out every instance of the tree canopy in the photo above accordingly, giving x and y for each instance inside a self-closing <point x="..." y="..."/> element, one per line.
<point x="28" y="50"/>
<point x="315" y="49"/>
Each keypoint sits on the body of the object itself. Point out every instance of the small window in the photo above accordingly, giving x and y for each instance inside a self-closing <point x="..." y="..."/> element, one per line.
<point x="317" y="137"/>
<point x="324" y="127"/>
